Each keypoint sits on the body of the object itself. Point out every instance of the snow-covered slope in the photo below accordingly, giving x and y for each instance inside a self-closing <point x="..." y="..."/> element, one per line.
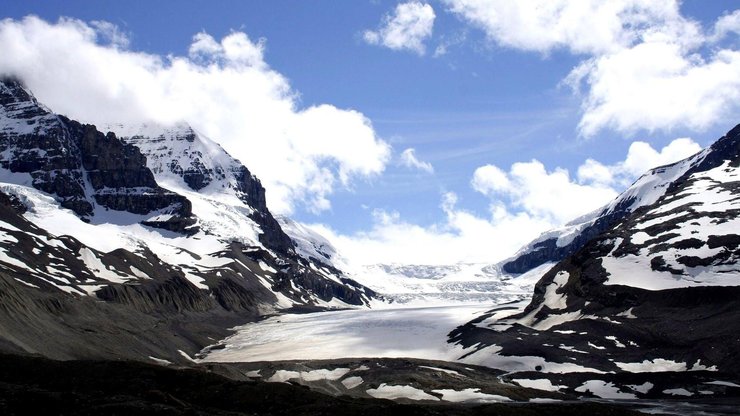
<point x="310" y="244"/>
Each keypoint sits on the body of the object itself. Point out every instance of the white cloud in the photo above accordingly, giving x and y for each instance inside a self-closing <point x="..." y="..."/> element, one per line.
<point x="524" y="202"/>
<point x="462" y="237"/>
<point x="406" y="29"/>
<point x="110" y="33"/>
<point x="582" y="27"/>
<point x="646" y="67"/>
<point x="489" y="179"/>
<point x="224" y="89"/>
<point x="640" y="158"/>
<point x="408" y="159"/>
<point x="725" y="25"/>
<point x="657" y="85"/>
<point x="550" y="196"/>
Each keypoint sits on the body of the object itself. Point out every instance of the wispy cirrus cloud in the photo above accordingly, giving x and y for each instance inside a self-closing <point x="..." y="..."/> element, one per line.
<point x="409" y="159"/>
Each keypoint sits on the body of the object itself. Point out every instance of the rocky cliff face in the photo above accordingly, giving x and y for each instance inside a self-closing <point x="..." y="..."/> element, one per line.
<point x="139" y="247"/>
<point x="83" y="168"/>
<point x="657" y="292"/>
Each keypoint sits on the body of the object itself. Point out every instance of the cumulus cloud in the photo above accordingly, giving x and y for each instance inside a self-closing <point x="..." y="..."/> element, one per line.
<point x="223" y="88"/>
<point x="525" y="201"/>
<point x="556" y="197"/>
<point x="657" y="85"/>
<point x="408" y="159"/>
<point x="641" y="157"/>
<point x="645" y="67"/>
<point x="462" y="237"/>
<point x="549" y="195"/>
<point x="407" y="28"/>
<point x="726" y="25"/>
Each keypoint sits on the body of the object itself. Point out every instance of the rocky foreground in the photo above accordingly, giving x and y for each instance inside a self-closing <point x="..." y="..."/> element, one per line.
<point x="40" y="386"/>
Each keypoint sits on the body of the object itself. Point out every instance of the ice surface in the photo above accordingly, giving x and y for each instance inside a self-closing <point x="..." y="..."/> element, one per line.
<point x="392" y="333"/>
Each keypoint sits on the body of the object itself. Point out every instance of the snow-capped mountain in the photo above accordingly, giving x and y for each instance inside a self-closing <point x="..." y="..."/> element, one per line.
<point x="137" y="225"/>
<point x="656" y="291"/>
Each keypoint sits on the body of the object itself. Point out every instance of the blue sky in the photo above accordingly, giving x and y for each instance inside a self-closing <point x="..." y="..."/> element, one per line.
<point x="495" y="97"/>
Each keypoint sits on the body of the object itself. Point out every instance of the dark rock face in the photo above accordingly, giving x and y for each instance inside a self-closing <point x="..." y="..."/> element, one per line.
<point x="250" y="191"/>
<point x="81" y="166"/>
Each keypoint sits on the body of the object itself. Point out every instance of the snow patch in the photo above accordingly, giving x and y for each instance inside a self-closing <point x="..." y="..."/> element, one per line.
<point x="282" y="376"/>
<point x="642" y="388"/>
<point x="604" y="390"/>
<point x="469" y="396"/>
<point x="385" y="391"/>
<point x="538" y="384"/>
<point x="351" y="382"/>
<point x="444" y="370"/>
<point x="160" y="360"/>
<point x="677" y="392"/>
<point x="652" y="366"/>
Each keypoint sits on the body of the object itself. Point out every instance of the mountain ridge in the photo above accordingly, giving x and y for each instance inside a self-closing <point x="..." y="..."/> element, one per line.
<point x="656" y="292"/>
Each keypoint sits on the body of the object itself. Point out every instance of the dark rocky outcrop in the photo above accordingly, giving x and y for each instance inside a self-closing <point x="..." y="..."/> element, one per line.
<point x="251" y="191"/>
<point x="39" y="386"/>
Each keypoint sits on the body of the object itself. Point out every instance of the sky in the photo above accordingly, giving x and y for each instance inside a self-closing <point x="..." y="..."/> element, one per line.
<point x="422" y="132"/>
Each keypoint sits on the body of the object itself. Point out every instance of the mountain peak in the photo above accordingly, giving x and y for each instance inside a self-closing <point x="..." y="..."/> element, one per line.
<point x="189" y="163"/>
